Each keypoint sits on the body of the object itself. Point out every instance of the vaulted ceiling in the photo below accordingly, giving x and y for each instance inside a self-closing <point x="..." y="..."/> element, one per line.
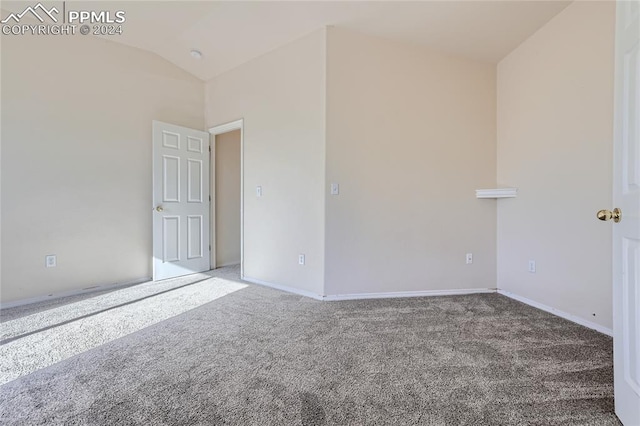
<point x="229" y="33"/>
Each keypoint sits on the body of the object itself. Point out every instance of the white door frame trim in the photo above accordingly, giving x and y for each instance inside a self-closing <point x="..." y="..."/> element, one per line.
<point x="214" y="131"/>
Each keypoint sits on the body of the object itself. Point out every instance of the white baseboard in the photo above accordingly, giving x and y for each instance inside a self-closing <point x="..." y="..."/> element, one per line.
<point x="425" y="293"/>
<point x="53" y="296"/>
<point x="283" y="288"/>
<point x="395" y="294"/>
<point x="357" y="296"/>
<point x="559" y="313"/>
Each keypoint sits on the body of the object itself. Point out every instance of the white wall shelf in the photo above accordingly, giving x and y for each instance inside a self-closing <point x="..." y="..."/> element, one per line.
<point x="497" y="193"/>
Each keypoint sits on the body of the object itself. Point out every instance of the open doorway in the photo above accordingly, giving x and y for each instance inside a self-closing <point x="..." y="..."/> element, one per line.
<point x="227" y="199"/>
<point x="226" y="196"/>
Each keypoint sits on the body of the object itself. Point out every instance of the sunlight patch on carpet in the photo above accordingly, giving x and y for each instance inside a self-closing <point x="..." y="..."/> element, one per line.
<point x="91" y="305"/>
<point x="33" y="352"/>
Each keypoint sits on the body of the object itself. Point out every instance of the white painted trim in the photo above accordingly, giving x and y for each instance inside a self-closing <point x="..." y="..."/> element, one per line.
<point x="217" y="130"/>
<point x="396" y="294"/>
<point x="69" y="293"/>
<point x="497" y="193"/>
<point x="227" y="127"/>
<point x="283" y="288"/>
<point x="557" y="312"/>
<point x="359" y="296"/>
<point x="212" y="202"/>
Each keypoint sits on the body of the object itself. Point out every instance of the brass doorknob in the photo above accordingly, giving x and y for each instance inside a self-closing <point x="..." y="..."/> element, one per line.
<point x="159" y="209"/>
<point x="616" y="215"/>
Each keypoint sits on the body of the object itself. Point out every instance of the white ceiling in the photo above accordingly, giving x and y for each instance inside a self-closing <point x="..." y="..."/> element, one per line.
<point x="229" y="33"/>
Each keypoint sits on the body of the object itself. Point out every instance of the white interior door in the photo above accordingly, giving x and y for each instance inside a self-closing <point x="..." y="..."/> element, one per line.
<point x="181" y="201"/>
<point x="626" y="233"/>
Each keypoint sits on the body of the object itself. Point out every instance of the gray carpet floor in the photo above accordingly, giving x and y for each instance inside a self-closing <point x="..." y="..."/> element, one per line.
<point x="258" y="356"/>
<point x="42" y="338"/>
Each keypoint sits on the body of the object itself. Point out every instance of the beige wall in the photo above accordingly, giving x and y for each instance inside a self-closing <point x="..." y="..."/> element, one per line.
<point x="281" y="97"/>
<point x="555" y="100"/>
<point x="227" y="198"/>
<point x="410" y="135"/>
<point x="76" y="159"/>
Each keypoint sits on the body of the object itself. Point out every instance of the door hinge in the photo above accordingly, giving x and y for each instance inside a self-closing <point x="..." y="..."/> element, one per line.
<point x="209" y="148"/>
<point x="209" y="198"/>
<point x="209" y="248"/>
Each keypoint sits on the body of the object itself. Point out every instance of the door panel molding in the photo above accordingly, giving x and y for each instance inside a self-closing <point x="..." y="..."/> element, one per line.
<point x="626" y="197"/>
<point x="180" y="201"/>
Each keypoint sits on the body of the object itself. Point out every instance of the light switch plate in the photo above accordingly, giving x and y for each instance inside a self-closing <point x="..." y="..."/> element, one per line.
<point x="50" y="261"/>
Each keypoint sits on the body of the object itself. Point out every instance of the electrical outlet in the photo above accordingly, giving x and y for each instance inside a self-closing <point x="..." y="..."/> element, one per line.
<point x="532" y="266"/>
<point x="50" y="261"/>
<point x="469" y="258"/>
<point x="301" y="259"/>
